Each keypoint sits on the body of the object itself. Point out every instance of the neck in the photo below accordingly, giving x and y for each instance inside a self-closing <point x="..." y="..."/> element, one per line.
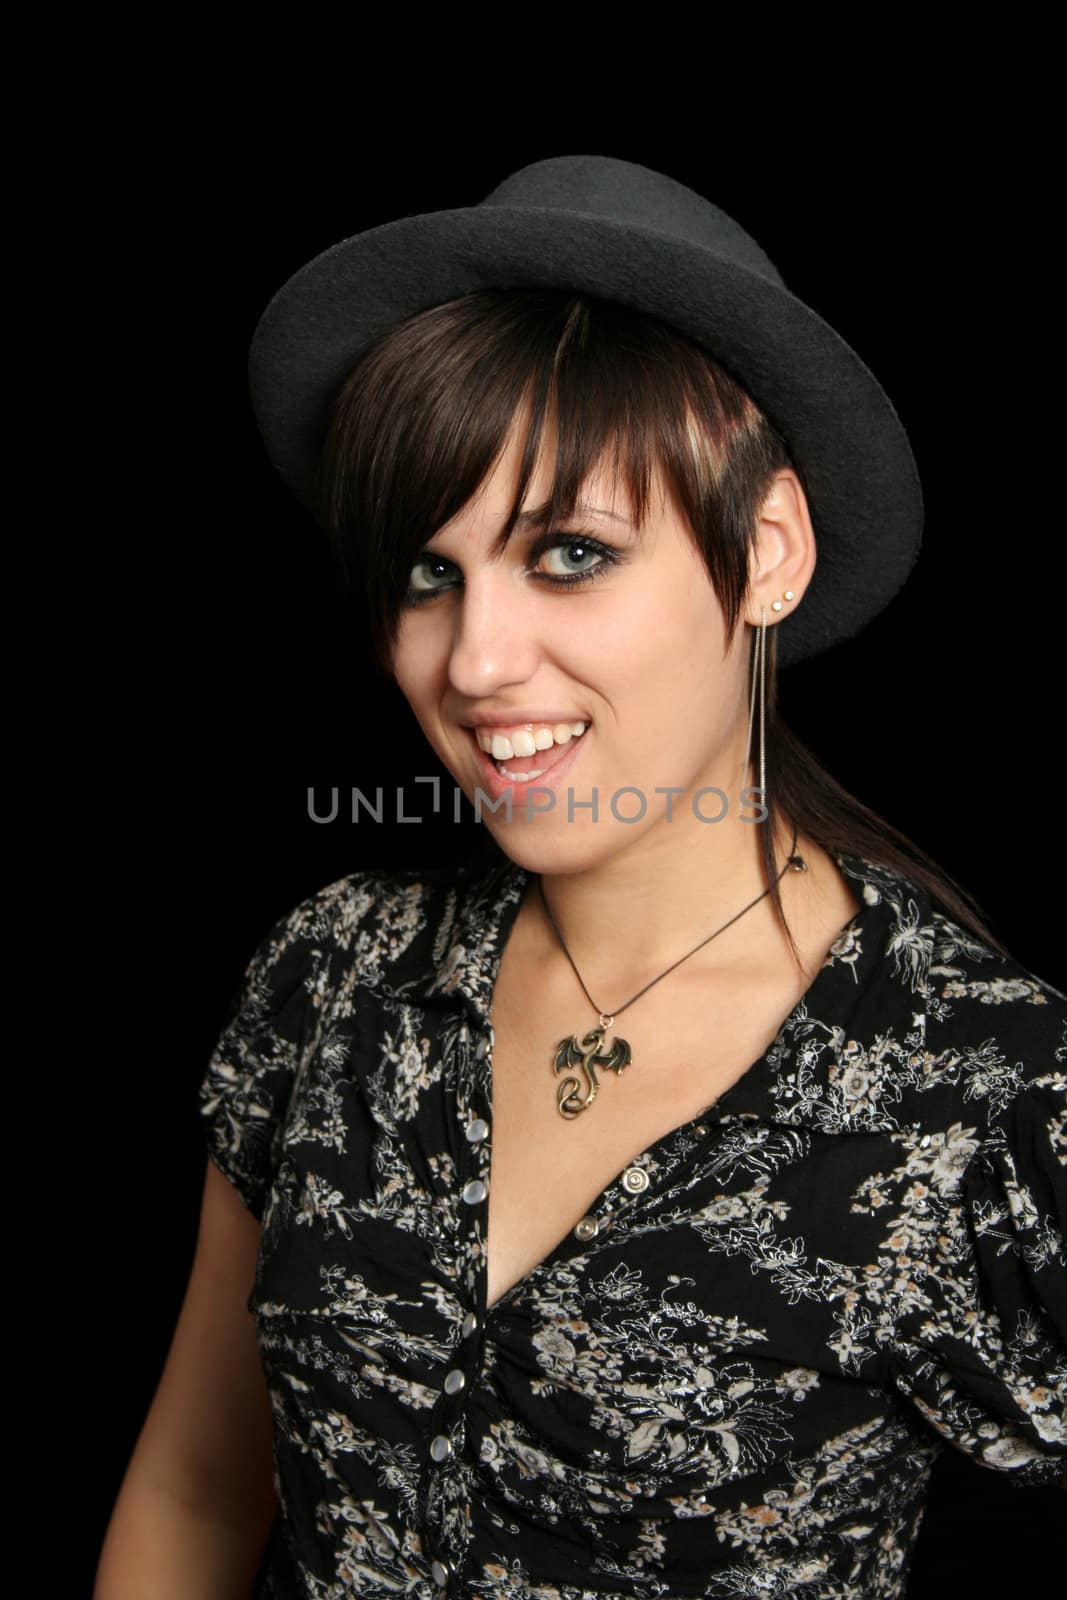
<point x="630" y="916"/>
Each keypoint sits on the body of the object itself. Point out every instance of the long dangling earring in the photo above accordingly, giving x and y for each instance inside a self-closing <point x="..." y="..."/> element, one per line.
<point x="759" y="680"/>
<point x="758" y="675"/>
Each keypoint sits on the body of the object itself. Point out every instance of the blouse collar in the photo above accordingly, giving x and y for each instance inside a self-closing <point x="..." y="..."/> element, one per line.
<point x="894" y="921"/>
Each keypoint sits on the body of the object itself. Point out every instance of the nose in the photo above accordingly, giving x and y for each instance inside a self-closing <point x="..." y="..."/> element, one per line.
<point x="495" y="640"/>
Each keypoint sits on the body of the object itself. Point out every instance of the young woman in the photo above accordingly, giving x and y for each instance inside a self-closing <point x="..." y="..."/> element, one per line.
<point x="639" y="1206"/>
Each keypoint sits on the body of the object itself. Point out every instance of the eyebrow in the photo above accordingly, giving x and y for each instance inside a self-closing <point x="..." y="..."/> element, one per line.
<point x="539" y="514"/>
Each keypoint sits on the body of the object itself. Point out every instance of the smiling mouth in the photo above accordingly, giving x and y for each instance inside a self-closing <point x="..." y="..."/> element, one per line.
<point x="526" y="768"/>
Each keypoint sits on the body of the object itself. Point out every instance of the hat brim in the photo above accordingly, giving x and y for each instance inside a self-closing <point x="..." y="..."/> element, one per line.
<point x="841" y="430"/>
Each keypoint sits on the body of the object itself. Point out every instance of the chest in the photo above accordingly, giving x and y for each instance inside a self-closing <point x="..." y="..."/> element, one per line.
<point x="688" y="1047"/>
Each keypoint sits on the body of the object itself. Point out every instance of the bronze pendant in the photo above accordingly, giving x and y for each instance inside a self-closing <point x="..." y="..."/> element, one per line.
<point x="586" y="1054"/>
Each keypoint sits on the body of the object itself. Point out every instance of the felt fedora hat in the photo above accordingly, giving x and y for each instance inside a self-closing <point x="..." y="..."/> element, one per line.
<point x="621" y="231"/>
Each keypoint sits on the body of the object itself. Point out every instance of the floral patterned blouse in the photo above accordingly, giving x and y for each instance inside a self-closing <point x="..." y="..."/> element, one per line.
<point x="733" y="1375"/>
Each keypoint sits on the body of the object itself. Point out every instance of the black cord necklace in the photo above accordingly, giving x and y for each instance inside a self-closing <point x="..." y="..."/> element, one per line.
<point x="586" y="1052"/>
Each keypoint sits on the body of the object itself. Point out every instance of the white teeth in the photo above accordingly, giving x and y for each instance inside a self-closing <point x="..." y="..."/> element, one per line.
<point x="520" y="777"/>
<point x="524" y="741"/>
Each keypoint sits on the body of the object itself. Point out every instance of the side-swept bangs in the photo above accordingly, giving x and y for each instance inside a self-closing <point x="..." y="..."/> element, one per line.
<point x="430" y="406"/>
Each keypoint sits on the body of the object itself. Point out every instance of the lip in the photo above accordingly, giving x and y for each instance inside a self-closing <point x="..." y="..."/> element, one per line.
<point x="495" y="785"/>
<point x="520" y="717"/>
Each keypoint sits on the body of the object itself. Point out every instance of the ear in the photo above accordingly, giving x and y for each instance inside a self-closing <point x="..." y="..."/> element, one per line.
<point x="782" y="558"/>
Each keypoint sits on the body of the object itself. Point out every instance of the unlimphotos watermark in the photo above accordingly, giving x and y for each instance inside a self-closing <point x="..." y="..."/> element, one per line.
<point x="537" y="802"/>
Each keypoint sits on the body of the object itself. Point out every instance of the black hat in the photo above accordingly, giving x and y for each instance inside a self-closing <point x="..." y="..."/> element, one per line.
<point x="623" y="232"/>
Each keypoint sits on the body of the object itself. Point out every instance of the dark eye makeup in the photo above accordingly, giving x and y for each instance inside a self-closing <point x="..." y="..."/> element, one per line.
<point x="572" y="544"/>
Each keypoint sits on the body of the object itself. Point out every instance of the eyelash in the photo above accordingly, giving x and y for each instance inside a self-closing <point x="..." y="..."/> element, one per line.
<point x="547" y="541"/>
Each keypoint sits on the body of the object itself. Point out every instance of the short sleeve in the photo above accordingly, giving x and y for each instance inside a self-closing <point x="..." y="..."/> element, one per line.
<point x="271" y="1029"/>
<point x="985" y="1360"/>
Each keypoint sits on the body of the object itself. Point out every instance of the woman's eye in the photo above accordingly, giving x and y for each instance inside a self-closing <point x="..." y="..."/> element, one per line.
<point x="558" y="559"/>
<point x="425" y="573"/>
<point x="571" y="557"/>
<point x="574" y="559"/>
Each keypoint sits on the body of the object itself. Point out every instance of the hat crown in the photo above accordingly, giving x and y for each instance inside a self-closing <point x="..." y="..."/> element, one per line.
<point x="635" y="197"/>
<point x="619" y="231"/>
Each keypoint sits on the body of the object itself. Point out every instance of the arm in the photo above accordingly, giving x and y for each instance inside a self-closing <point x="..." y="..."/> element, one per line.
<point x="197" y="1501"/>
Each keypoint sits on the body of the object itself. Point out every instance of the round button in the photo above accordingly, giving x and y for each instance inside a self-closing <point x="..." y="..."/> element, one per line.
<point x="474" y="1192"/>
<point x="588" y="1228"/>
<point x="454" y="1381"/>
<point x="440" y="1571"/>
<point x="470" y="1325"/>
<point x="634" y="1179"/>
<point x="701" y="1130"/>
<point x="477" y="1130"/>
<point x="440" y="1447"/>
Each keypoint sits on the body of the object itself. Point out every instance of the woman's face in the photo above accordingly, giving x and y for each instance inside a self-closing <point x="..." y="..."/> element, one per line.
<point x="637" y="654"/>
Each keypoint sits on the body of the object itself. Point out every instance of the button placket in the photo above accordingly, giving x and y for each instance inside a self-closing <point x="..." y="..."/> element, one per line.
<point x="635" y="1179"/>
<point x="443" y="1565"/>
<point x="472" y="1155"/>
<point x="472" y="1192"/>
<point x="595" y="1224"/>
<point x="668" y="1162"/>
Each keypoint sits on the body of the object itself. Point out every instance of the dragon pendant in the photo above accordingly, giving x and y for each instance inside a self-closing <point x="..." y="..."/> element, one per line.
<point x="586" y="1054"/>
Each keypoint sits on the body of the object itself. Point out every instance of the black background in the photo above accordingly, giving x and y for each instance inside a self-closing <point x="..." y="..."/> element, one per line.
<point x="217" y="674"/>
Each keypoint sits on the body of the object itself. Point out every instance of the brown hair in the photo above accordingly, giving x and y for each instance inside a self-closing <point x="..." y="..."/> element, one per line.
<point x="426" y="411"/>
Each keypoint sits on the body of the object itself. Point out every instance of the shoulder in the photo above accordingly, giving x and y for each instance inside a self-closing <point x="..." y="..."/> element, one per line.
<point x="1007" y="1025"/>
<point x="981" y="988"/>
<point x="338" y="909"/>
<point x="388" y="923"/>
<point x="984" y="1029"/>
